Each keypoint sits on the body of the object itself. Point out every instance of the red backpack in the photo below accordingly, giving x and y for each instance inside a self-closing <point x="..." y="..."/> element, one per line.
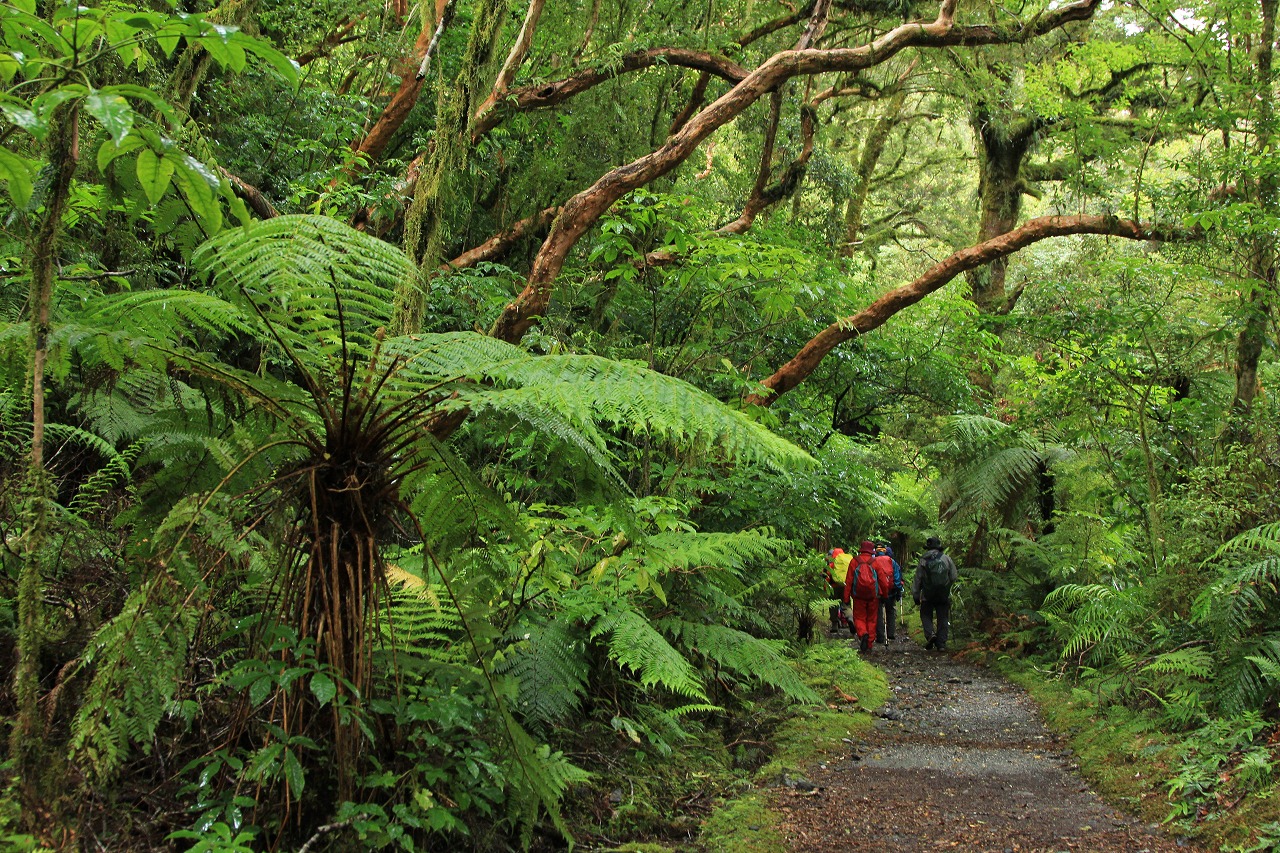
<point x="862" y="578"/>
<point x="883" y="566"/>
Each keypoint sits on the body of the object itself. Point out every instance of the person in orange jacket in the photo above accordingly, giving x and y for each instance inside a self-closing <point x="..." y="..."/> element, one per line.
<point x="862" y="593"/>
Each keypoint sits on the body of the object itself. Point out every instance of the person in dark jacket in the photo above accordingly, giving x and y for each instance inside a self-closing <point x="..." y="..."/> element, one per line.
<point x="886" y="625"/>
<point x="931" y="591"/>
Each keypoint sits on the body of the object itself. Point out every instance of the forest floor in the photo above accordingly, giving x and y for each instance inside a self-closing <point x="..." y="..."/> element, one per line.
<point x="958" y="759"/>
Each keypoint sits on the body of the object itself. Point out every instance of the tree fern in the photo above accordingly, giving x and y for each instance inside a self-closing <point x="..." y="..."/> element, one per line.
<point x="991" y="464"/>
<point x="356" y="424"/>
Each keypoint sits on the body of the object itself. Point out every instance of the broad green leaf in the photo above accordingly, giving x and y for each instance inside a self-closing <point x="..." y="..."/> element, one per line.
<point x="168" y="37"/>
<point x="14" y="171"/>
<point x="197" y="184"/>
<point x="283" y="65"/>
<point x="323" y="688"/>
<point x="293" y="773"/>
<point x="217" y="48"/>
<point x="26" y="119"/>
<point x="154" y="174"/>
<point x="259" y="690"/>
<point x="109" y="151"/>
<point x="112" y="111"/>
<point x="142" y="93"/>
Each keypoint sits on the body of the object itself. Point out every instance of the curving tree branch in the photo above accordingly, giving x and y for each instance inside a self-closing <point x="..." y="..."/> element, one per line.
<point x="940" y="274"/>
<point x="582" y="211"/>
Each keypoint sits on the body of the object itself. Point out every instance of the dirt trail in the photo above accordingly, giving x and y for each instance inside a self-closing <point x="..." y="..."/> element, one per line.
<point x="959" y="759"/>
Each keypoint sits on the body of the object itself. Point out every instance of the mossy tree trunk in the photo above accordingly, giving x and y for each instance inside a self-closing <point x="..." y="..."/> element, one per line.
<point x="868" y="159"/>
<point x="27" y="736"/>
<point x="1260" y="302"/>
<point x="1002" y="152"/>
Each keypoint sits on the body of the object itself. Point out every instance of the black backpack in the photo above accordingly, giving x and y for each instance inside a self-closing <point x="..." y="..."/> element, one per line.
<point x="935" y="587"/>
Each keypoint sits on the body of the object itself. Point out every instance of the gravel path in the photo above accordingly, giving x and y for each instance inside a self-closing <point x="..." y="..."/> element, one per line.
<point x="960" y="760"/>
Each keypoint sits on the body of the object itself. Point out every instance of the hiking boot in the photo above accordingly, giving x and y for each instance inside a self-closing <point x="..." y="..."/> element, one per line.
<point x="862" y="643"/>
<point x="931" y="643"/>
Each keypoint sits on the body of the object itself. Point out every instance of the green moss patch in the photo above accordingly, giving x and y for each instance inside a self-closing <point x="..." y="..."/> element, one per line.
<point x="744" y="825"/>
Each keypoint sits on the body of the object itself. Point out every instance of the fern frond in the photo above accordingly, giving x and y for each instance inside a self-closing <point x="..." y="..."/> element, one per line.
<point x="1001" y="474"/>
<point x="748" y="656"/>
<point x="1242" y="684"/>
<point x="117" y="470"/>
<point x="139" y="659"/>
<point x="725" y="551"/>
<point x="1195" y="662"/>
<point x="547" y="776"/>
<point x="548" y="661"/>
<point x="418" y="620"/>
<point x="319" y="283"/>
<point x="584" y="391"/>
<point x="1097" y="619"/>
<point x="1263" y="538"/>
<point x="634" y="643"/>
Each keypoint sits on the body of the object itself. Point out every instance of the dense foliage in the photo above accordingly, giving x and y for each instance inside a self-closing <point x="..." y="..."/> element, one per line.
<point x="416" y="420"/>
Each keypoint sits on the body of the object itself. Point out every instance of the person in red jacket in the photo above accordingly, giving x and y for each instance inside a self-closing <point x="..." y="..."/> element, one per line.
<point x="861" y="590"/>
<point x="885" y="576"/>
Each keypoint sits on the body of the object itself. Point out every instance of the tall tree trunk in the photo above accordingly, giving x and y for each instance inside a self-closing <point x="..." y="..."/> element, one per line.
<point x="406" y="94"/>
<point x="1002" y="151"/>
<point x="872" y="148"/>
<point x="1262" y="254"/>
<point x="26" y="739"/>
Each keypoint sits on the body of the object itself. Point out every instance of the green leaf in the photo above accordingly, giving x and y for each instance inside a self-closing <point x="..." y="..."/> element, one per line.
<point x="26" y="119"/>
<point x="169" y="36"/>
<point x="283" y="65"/>
<point x="142" y="93"/>
<point x="109" y="151"/>
<point x="259" y="689"/>
<point x="112" y="111"/>
<point x="14" y="171"/>
<point x="216" y="45"/>
<point x="8" y="67"/>
<point x="197" y="184"/>
<point x="154" y="173"/>
<point x="323" y="688"/>
<point x="293" y="773"/>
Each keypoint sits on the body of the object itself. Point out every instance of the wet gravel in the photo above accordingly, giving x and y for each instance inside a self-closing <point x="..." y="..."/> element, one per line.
<point x="958" y="759"/>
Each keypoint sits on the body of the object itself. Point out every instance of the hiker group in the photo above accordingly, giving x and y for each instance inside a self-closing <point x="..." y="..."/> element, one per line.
<point x="869" y="586"/>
